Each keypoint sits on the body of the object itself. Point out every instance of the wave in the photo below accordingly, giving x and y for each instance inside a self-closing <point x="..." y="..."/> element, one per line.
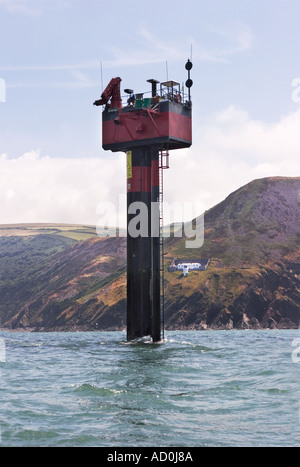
<point x="193" y="345"/>
<point x="91" y="389"/>
<point x="145" y="340"/>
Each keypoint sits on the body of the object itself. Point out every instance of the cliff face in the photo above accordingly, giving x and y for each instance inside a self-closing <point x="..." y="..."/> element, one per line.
<point x="55" y="282"/>
<point x="253" y="281"/>
<point x="259" y="298"/>
<point x="81" y="287"/>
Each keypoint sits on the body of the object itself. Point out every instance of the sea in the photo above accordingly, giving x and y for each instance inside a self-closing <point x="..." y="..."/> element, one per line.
<point x="195" y="389"/>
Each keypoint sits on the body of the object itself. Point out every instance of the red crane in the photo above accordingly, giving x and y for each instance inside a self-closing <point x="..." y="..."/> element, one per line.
<point x="113" y="92"/>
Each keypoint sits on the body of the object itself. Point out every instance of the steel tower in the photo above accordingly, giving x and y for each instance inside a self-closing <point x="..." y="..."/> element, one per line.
<point x="146" y="128"/>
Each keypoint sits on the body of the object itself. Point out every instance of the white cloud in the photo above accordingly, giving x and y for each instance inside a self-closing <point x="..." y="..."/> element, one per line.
<point x="84" y="65"/>
<point x="224" y="42"/>
<point x="77" y="80"/>
<point x="45" y="189"/>
<point x="147" y="48"/>
<point x="230" y="150"/>
<point x="24" y="7"/>
<point x="238" y="37"/>
<point x="33" y="7"/>
<point x="234" y="134"/>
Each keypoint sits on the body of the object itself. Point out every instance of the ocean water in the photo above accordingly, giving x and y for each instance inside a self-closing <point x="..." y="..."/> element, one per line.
<point x="208" y="388"/>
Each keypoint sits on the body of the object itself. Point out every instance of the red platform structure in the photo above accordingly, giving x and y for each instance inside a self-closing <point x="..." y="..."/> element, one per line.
<point x="147" y="127"/>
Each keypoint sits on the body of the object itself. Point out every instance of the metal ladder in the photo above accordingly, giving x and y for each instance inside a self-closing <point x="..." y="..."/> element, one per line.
<point x="163" y="164"/>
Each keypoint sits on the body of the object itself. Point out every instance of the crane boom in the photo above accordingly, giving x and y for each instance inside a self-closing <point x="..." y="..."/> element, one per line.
<point x="112" y="91"/>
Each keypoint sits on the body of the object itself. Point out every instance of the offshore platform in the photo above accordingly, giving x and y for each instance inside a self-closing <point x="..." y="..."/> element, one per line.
<point x="146" y="128"/>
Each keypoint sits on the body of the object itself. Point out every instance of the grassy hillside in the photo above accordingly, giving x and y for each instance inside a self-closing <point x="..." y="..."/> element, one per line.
<point x="75" y="232"/>
<point x="49" y="273"/>
<point x="66" y="277"/>
<point x="253" y="241"/>
<point x="257" y="224"/>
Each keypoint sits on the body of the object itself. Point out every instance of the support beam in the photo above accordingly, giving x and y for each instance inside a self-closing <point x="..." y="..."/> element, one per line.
<point x="143" y="247"/>
<point x="155" y="246"/>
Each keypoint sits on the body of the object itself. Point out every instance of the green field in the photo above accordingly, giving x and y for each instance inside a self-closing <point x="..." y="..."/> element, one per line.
<point x="75" y="232"/>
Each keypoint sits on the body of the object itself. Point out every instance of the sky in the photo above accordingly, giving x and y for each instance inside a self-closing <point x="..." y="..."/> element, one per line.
<point x="57" y="55"/>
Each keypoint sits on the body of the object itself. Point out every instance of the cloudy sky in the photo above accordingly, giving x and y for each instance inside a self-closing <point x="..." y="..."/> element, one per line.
<point x="246" y="97"/>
